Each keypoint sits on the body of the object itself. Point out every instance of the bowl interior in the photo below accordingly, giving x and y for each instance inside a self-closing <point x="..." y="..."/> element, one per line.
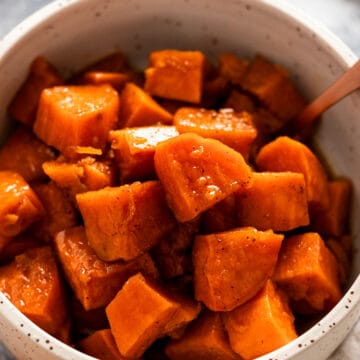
<point x="72" y="33"/>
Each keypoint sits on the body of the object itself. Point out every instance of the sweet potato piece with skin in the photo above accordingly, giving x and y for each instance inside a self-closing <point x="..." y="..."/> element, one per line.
<point x="232" y="129"/>
<point x="60" y="212"/>
<point x="333" y="220"/>
<point x="221" y="217"/>
<point x="71" y="116"/>
<point x="232" y="68"/>
<point x="25" y="154"/>
<point x="134" y="150"/>
<point x="124" y="222"/>
<point x="139" y="109"/>
<point x="231" y="267"/>
<point x="286" y="154"/>
<point x="95" y="282"/>
<point x="101" y="344"/>
<point x="272" y="85"/>
<point x="308" y="273"/>
<point x="262" y="325"/>
<point x="19" y="205"/>
<point x="275" y="201"/>
<point x="42" y="75"/>
<point x="197" y="173"/>
<point x="204" y="339"/>
<point x="140" y="313"/>
<point x="34" y="275"/>
<point x="176" y="75"/>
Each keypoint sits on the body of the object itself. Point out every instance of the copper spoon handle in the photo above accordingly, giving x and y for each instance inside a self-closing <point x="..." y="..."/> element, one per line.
<point x="346" y="84"/>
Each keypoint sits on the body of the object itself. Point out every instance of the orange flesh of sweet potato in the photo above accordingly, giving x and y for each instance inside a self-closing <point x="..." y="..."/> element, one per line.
<point x="308" y="272"/>
<point x="19" y="205"/>
<point x="42" y="75"/>
<point x="205" y="339"/>
<point x="232" y="129"/>
<point x="95" y="282"/>
<point x="232" y="68"/>
<point x="197" y="173"/>
<point x="272" y="85"/>
<point x="334" y="219"/>
<point x="262" y="325"/>
<point x="101" y="344"/>
<point x="60" y="212"/>
<point x="134" y="150"/>
<point x="124" y="222"/>
<point x="139" y="314"/>
<point x="25" y="154"/>
<point x="286" y="154"/>
<point x="275" y="201"/>
<point x="77" y="116"/>
<point x="32" y="283"/>
<point x="116" y="80"/>
<point x="176" y="75"/>
<point x="231" y="267"/>
<point x="139" y="109"/>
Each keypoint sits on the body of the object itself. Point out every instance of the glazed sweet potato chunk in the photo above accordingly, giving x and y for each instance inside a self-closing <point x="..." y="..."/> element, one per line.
<point x="197" y="173"/>
<point x="19" y="205"/>
<point x="95" y="282"/>
<point x="308" y="273"/>
<point x="33" y="284"/>
<point x="273" y="86"/>
<point x="286" y="154"/>
<point x="275" y="201"/>
<point x="231" y="267"/>
<point x="134" y="150"/>
<point x="334" y="219"/>
<point x="232" y="67"/>
<point x="42" y="75"/>
<point x="25" y="154"/>
<point x="232" y="129"/>
<point x="139" y="314"/>
<point x="124" y="222"/>
<point x="101" y="345"/>
<point x="176" y="75"/>
<point x="71" y="116"/>
<point x="139" y="109"/>
<point x="204" y="339"/>
<point x="60" y="212"/>
<point x="262" y="325"/>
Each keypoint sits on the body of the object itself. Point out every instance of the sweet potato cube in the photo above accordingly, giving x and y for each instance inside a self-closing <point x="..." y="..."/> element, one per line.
<point x="273" y="86"/>
<point x="71" y="116"/>
<point x="275" y="201"/>
<point x="205" y="339"/>
<point x="25" y="154"/>
<point x="139" y="314"/>
<point x="60" y="212"/>
<point x="176" y="75"/>
<point x="232" y="67"/>
<point x="233" y="129"/>
<point x="231" y="267"/>
<point x="115" y="79"/>
<point x="286" y="154"/>
<point x="101" y="345"/>
<point x="134" y="150"/>
<point x="221" y="217"/>
<point x="33" y="284"/>
<point x="262" y="325"/>
<point x="333" y="220"/>
<point x="197" y="173"/>
<point x="308" y="272"/>
<point x="139" y="109"/>
<point x="42" y="75"/>
<point x="19" y="205"/>
<point x="95" y="282"/>
<point x="124" y="222"/>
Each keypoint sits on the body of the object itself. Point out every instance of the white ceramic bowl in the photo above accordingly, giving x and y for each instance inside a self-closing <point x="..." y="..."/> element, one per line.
<point x="74" y="32"/>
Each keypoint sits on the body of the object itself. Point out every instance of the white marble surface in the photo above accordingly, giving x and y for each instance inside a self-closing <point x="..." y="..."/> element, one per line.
<point x="340" y="16"/>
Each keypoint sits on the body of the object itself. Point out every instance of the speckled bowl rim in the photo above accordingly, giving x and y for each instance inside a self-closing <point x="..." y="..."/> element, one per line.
<point x="350" y="300"/>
